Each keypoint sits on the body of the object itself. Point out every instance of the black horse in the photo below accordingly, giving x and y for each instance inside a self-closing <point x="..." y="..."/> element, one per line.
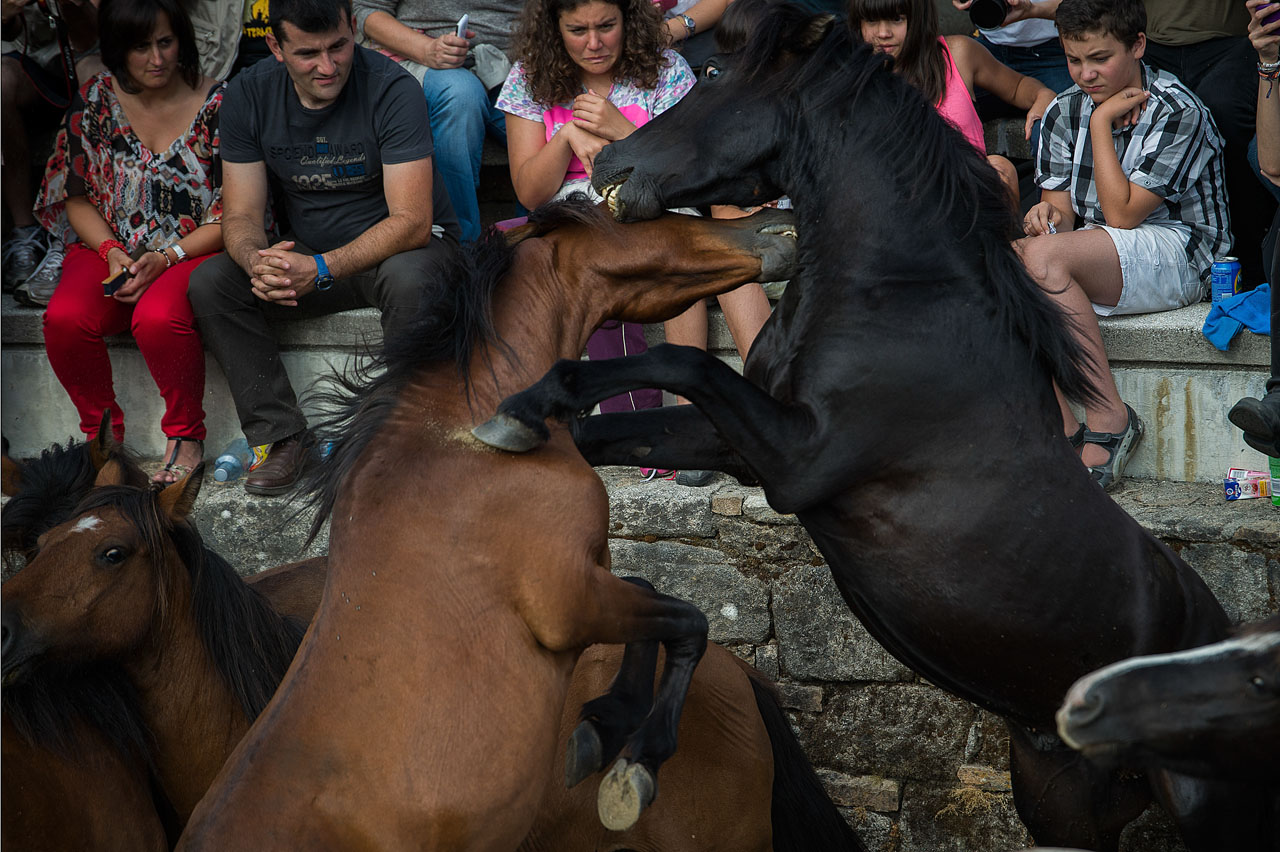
<point x="900" y="402"/>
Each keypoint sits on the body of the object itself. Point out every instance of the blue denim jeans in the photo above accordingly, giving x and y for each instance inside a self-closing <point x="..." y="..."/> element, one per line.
<point x="461" y="112"/>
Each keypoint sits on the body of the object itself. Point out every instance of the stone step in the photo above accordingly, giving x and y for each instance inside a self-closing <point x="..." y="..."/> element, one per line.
<point x="1176" y="380"/>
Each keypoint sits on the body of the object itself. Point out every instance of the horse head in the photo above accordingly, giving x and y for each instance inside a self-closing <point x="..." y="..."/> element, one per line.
<point x="1212" y="711"/>
<point x="99" y="582"/>
<point x="725" y="139"/>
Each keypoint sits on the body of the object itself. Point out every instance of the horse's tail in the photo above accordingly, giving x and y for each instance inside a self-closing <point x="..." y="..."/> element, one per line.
<point x="804" y="817"/>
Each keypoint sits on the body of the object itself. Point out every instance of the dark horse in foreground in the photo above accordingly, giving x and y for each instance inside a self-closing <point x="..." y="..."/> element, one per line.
<point x="1211" y="711"/>
<point x="422" y="709"/>
<point x="900" y="402"/>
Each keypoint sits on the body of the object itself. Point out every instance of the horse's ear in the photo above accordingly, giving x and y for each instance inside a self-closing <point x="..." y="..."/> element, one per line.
<point x="101" y="446"/>
<point x="10" y="471"/>
<point x="817" y="30"/>
<point x="177" y="500"/>
<point x="112" y="472"/>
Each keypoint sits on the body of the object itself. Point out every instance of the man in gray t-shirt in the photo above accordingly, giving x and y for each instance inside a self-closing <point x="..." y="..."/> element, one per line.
<point x="341" y="130"/>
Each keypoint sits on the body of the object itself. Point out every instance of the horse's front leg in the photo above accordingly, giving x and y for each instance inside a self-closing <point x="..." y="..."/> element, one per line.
<point x="678" y="437"/>
<point x="767" y="434"/>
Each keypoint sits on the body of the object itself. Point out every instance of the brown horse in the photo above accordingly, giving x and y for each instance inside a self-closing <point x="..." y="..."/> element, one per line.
<point x="74" y="750"/>
<point x="739" y="783"/>
<point x="423" y="707"/>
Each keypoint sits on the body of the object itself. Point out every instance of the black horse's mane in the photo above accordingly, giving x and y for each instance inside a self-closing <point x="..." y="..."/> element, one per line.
<point x="52" y="485"/>
<point x="842" y="87"/>
<point x="250" y="644"/>
<point x="453" y="322"/>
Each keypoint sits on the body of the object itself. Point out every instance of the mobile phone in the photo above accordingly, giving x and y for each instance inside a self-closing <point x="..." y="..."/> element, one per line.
<point x="462" y="26"/>
<point x="111" y="285"/>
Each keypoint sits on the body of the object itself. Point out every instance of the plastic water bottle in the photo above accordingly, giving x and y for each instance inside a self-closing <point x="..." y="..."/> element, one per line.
<point x="233" y="461"/>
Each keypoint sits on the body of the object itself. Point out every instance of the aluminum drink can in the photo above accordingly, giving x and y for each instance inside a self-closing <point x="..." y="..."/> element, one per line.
<point x="1224" y="278"/>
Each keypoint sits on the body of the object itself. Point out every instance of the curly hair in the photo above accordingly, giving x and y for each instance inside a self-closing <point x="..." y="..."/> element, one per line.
<point x="554" y="78"/>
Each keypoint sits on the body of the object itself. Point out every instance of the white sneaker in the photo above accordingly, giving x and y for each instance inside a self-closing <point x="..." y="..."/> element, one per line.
<point x="38" y="289"/>
<point x="24" y="248"/>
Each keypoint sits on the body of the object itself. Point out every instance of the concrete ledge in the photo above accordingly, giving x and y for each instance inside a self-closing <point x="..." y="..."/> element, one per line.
<point x="1174" y="378"/>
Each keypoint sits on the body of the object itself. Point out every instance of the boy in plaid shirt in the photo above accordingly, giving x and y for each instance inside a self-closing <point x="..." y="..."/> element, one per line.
<point x="1133" y="207"/>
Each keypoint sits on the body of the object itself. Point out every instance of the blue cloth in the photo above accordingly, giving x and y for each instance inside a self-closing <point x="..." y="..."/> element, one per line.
<point x="461" y="112"/>
<point x="1250" y="310"/>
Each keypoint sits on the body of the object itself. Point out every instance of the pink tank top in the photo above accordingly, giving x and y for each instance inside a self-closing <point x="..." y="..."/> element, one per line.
<point x="956" y="106"/>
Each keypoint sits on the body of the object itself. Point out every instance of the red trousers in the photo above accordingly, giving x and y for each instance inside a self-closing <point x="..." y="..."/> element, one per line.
<point x="79" y="316"/>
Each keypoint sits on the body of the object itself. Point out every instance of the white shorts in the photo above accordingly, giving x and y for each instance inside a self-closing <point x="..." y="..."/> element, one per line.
<point x="1157" y="274"/>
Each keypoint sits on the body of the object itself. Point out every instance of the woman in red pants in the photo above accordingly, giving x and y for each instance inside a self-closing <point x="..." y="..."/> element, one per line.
<point x="135" y="170"/>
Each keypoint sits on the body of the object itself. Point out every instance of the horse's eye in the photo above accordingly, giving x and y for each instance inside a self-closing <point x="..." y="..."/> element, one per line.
<point x="1258" y="682"/>
<point x="710" y="72"/>
<point x="112" y="556"/>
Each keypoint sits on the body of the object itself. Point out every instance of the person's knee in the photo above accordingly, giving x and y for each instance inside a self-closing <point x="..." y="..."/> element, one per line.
<point x="214" y="283"/>
<point x="13" y="84"/>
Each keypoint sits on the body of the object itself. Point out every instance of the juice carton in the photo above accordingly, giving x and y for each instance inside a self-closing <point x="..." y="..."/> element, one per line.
<point x="1243" y="484"/>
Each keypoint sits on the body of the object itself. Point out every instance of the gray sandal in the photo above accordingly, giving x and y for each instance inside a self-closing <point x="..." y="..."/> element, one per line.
<point x="1119" y="445"/>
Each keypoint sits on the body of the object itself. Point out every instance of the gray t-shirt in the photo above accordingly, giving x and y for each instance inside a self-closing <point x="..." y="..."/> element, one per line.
<point x="329" y="161"/>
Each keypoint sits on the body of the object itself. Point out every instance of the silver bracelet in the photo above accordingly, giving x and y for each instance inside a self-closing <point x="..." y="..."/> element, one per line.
<point x="178" y="252"/>
<point x="1268" y="67"/>
<point x="167" y="262"/>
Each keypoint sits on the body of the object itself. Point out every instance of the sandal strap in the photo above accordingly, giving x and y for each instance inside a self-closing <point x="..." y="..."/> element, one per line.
<point x="1076" y="439"/>
<point x="172" y="463"/>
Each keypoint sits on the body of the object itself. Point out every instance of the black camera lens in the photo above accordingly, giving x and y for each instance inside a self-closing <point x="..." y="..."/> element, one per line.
<point x="988" y="14"/>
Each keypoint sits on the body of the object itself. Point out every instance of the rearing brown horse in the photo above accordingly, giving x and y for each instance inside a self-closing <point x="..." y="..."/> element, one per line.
<point x="422" y="708"/>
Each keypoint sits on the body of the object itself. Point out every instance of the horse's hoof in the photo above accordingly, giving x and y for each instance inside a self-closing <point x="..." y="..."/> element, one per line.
<point x="624" y="794"/>
<point x="504" y="432"/>
<point x="585" y="756"/>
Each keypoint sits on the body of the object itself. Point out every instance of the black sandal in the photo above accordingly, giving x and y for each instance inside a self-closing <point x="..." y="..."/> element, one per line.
<point x="1119" y="445"/>
<point x="179" y="471"/>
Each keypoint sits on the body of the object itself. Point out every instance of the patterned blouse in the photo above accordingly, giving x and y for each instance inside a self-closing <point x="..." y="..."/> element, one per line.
<point x="148" y="198"/>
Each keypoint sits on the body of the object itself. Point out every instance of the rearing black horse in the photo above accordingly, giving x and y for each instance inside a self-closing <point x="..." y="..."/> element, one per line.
<point x="900" y="402"/>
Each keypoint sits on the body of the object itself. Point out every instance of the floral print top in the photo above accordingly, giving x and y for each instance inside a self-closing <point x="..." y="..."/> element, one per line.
<point x="149" y="198"/>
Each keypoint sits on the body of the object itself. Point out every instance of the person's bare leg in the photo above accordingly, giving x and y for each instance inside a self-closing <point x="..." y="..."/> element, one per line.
<point x="746" y="308"/>
<point x="1076" y="269"/>
<point x="688" y="329"/>
<point x="1008" y="175"/>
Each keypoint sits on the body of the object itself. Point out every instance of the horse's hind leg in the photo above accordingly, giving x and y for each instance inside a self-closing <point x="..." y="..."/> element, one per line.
<point x="607" y="721"/>
<point x="1065" y="800"/>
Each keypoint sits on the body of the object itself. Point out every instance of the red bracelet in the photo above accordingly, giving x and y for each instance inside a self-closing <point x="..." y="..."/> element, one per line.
<point x="106" y="246"/>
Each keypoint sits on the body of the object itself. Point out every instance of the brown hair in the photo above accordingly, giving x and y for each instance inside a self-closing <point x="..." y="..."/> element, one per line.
<point x="920" y="58"/>
<point x="554" y="78"/>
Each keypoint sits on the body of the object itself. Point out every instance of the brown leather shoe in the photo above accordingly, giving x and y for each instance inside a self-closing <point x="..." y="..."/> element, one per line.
<point x="285" y="463"/>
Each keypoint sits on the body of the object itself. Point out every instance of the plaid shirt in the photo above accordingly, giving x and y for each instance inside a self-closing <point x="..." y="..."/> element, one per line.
<point x="1174" y="151"/>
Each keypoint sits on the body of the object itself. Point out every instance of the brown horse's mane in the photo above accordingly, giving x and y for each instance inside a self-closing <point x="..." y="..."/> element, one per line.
<point x="250" y="644"/>
<point x="52" y="485"/>
<point x="455" y="320"/>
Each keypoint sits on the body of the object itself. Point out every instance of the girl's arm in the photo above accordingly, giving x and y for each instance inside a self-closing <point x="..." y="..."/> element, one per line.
<point x="447" y="51"/>
<point x="93" y="230"/>
<point x="538" y="165"/>
<point x="1266" y="41"/>
<point x="705" y="15"/>
<point x="980" y="69"/>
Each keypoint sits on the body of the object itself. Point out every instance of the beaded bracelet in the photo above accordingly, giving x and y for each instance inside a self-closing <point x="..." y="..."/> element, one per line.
<point x="167" y="262"/>
<point x="105" y="247"/>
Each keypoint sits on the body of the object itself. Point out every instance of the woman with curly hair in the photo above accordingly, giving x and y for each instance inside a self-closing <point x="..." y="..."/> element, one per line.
<point x="589" y="72"/>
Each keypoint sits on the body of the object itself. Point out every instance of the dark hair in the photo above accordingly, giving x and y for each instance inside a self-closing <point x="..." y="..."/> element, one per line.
<point x="554" y="78"/>
<point x="1124" y="19"/>
<point x="738" y="22"/>
<point x="310" y="16"/>
<point x="919" y="60"/>
<point x="123" y="24"/>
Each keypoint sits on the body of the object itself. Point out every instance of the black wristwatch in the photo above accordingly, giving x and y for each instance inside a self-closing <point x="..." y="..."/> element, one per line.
<point x="323" y="279"/>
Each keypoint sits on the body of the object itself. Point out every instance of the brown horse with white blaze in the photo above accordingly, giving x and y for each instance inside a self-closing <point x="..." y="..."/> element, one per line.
<point x="422" y="709"/>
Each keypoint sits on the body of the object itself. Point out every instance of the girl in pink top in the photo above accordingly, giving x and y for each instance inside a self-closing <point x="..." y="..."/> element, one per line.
<point x="947" y="68"/>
